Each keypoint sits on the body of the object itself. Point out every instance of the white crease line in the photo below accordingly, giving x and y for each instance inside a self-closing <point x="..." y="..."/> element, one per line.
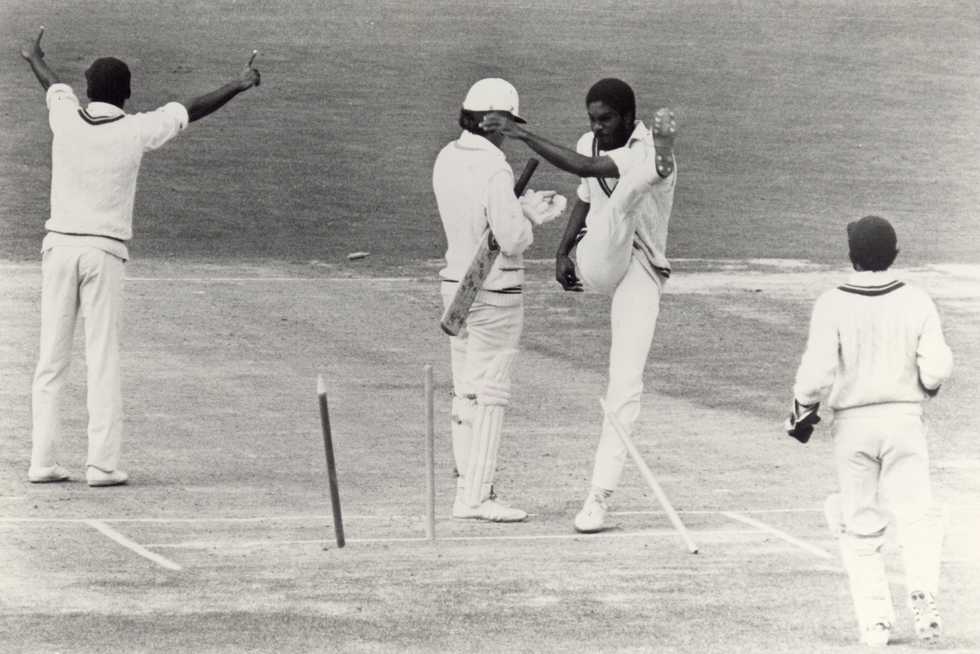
<point x="526" y="537"/>
<point x="803" y="545"/>
<point x="713" y="512"/>
<point x="328" y="519"/>
<point x="223" y="280"/>
<point x="311" y="518"/>
<point x="133" y="545"/>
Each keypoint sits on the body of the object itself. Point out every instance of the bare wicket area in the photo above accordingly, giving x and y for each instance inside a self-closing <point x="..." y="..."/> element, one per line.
<point x="428" y="386"/>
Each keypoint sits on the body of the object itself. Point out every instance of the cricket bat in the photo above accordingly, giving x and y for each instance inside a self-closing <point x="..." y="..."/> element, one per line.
<point x="454" y="317"/>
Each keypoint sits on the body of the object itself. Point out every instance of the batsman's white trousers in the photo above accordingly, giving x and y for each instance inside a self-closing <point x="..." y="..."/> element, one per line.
<point x="493" y="326"/>
<point x="89" y="281"/>
<point x="883" y="465"/>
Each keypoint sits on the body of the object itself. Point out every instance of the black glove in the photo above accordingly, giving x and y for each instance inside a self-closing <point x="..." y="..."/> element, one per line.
<point x="800" y="422"/>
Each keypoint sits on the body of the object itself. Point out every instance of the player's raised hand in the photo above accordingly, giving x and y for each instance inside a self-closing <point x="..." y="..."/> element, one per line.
<point x="250" y="76"/>
<point x="33" y="49"/>
<point x="498" y="122"/>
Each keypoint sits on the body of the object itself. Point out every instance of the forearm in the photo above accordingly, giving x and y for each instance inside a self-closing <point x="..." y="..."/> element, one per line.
<point x="44" y="74"/>
<point x="208" y="103"/>
<point x="567" y="159"/>
<point x="576" y="221"/>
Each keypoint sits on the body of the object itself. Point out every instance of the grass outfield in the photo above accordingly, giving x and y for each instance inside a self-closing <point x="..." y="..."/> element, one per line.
<point x="795" y="119"/>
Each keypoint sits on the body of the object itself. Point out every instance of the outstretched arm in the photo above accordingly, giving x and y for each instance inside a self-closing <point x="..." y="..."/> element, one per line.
<point x="33" y="54"/>
<point x="559" y="156"/>
<point x="202" y="105"/>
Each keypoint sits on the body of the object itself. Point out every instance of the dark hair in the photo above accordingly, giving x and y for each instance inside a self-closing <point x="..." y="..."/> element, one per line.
<point x="470" y="121"/>
<point x="108" y="81"/>
<point x="614" y="92"/>
<point x="872" y="243"/>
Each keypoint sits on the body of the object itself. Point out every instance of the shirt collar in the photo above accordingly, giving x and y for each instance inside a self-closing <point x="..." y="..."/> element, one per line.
<point x="103" y="110"/>
<point x="472" y="141"/>
<point x="868" y="278"/>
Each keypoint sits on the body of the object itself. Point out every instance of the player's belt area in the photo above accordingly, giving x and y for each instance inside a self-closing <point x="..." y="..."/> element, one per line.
<point x="111" y="238"/>
<point x="510" y="290"/>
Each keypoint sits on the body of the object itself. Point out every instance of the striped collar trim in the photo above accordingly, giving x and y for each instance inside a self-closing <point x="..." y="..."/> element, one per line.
<point x="603" y="184"/>
<point x="99" y="120"/>
<point x="872" y="291"/>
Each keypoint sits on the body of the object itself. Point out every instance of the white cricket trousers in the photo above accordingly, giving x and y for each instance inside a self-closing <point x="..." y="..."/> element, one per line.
<point x="883" y="465"/>
<point x="633" y="318"/>
<point x="89" y="281"/>
<point x="490" y="330"/>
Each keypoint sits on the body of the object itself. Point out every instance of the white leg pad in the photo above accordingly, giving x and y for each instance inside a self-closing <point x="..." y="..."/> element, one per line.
<point x="461" y="424"/>
<point x="492" y="397"/>
<point x="869" y="584"/>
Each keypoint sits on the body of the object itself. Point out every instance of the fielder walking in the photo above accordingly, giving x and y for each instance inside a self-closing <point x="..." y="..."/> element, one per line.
<point x="875" y="354"/>
<point x="474" y="189"/>
<point x="95" y="159"/>
<point x="618" y="228"/>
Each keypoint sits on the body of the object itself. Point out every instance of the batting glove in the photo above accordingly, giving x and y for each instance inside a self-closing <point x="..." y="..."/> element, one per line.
<point x="542" y="207"/>
<point x="800" y="422"/>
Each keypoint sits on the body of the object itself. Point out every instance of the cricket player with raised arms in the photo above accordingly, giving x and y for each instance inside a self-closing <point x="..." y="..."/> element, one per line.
<point x="95" y="159"/>
<point x="875" y="354"/>
<point x="618" y="228"/>
<point x="474" y="190"/>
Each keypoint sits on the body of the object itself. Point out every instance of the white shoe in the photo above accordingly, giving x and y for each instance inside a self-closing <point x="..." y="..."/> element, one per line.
<point x="47" y="475"/>
<point x="877" y="635"/>
<point x="97" y="477"/>
<point x="592" y="517"/>
<point x="928" y="626"/>
<point x="490" y="510"/>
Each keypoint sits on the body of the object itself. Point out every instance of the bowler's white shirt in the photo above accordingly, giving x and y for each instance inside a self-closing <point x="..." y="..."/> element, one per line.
<point x="871" y="341"/>
<point x="95" y="159"/>
<point x="657" y="197"/>
<point x="474" y="188"/>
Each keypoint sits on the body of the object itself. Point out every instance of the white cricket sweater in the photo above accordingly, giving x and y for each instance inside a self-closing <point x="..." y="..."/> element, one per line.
<point x="474" y="188"/>
<point x="95" y="159"/>
<point x="873" y="341"/>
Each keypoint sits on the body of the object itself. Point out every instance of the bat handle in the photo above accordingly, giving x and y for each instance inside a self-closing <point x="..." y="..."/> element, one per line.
<point x="525" y="177"/>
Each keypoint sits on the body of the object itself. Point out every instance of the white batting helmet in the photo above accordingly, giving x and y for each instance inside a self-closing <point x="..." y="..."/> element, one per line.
<point x="493" y="94"/>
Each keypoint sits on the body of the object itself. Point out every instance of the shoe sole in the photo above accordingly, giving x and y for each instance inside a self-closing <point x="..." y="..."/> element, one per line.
<point x="594" y="530"/>
<point x="481" y="518"/>
<point x="48" y="480"/>
<point x="664" y="132"/>
<point x="96" y="484"/>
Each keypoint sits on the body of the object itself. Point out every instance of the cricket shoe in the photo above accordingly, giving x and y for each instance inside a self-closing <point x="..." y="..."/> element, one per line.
<point x="97" y="477"/>
<point x="877" y="635"/>
<point x="490" y="509"/>
<point x="47" y="475"/>
<point x="928" y="626"/>
<point x="592" y="517"/>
